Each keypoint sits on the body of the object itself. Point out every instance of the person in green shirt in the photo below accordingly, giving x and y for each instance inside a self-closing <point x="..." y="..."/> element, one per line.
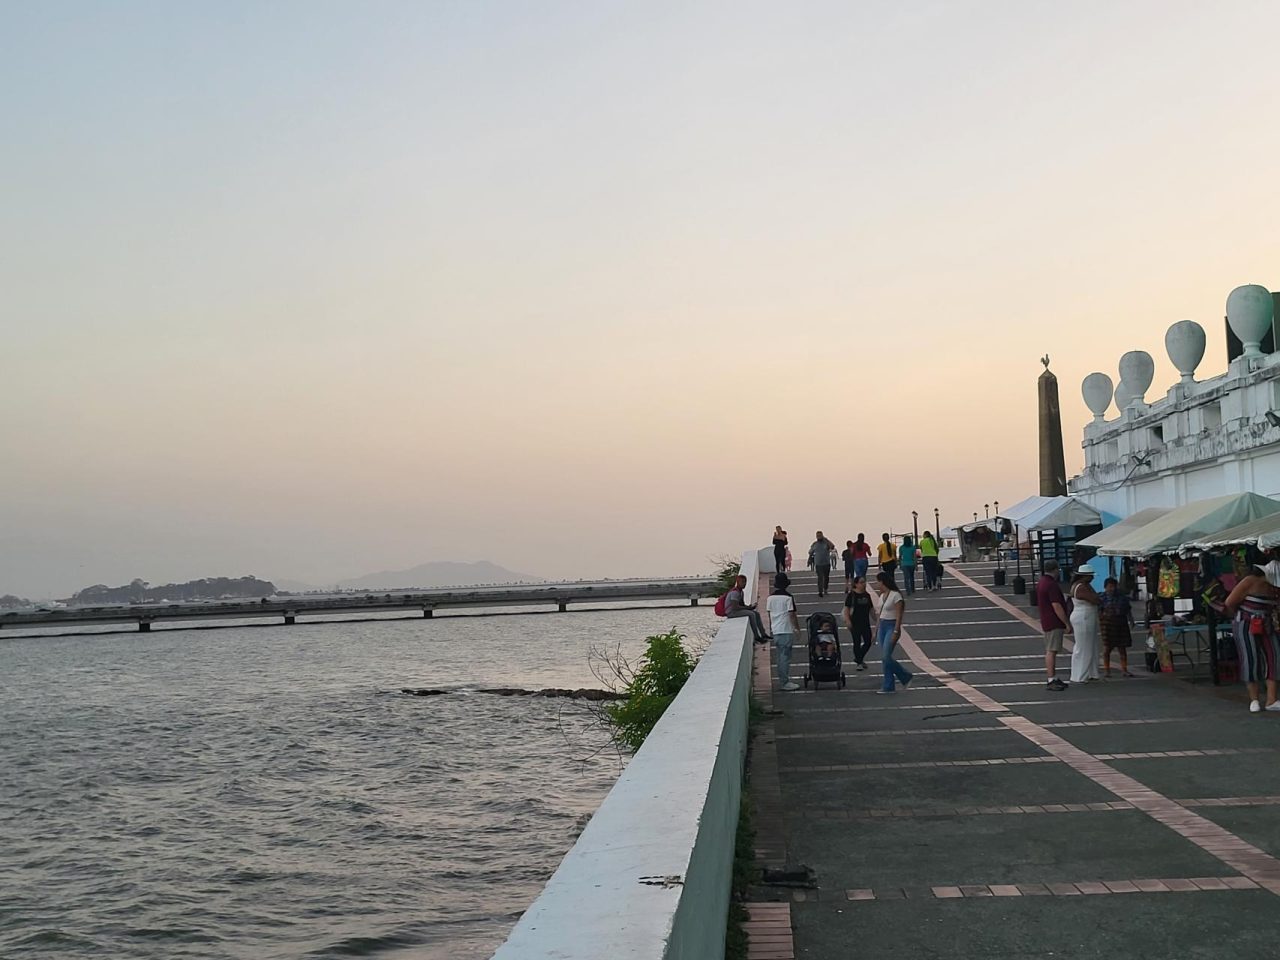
<point x="929" y="560"/>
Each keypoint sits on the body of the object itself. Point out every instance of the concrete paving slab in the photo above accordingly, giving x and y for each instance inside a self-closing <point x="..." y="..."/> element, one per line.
<point x="1231" y="776"/>
<point x="1152" y="926"/>
<point x="978" y="786"/>
<point x="896" y="852"/>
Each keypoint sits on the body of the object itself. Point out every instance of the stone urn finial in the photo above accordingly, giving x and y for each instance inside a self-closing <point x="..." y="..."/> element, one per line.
<point x="1249" y="312"/>
<point x="1184" y="342"/>
<point x="1097" y="390"/>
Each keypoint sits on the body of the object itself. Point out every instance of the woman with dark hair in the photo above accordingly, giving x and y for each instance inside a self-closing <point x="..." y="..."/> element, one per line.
<point x="861" y="556"/>
<point x="779" y="549"/>
<point x="907" y="557"/>
<point x="888" y="555"/>
<point x="859" y="612"/>
<point x="892" y="609"/>
<point x="1115" y="617"/>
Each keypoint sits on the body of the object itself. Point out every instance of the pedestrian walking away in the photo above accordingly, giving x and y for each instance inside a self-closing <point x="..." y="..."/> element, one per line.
<point x="784" y="624"/>
<point x="859" y="613"/>
<point x="1115" y="618"/>
<point x="1252" y="605"/>
<point x="929" y="560"/>
<point x="735" y="606"/>
<point x="820" y="561"/>
<point x="907" y="558"/>
<point x="779" y="549"/>
<point x="1053" y="621"/>
<point x="892" y="613"/>
<point x="888" y="555"/>
<point x="846" y="556"/>
<point x="861" y="556"/>
<point x="1084" y="626"/>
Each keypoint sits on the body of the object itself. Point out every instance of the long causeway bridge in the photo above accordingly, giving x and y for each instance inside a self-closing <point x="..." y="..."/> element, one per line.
<point x="427" y="602"/>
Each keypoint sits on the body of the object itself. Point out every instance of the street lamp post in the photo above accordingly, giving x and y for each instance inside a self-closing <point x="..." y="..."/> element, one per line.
<point x="997" y="503"/>
<point x="975" y="516"/>
<point x="937" y="526"/>
<point x="915" y="526"/>
<point x="986" y="510"/>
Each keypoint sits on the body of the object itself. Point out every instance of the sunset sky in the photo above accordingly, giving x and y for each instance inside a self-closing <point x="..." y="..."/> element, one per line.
<point x="311" y="289"/>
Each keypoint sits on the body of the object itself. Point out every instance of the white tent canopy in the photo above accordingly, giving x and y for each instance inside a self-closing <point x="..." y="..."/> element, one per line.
<point x="1043" y="513"/>
<point x="1113" y="533"/>
<point x="1193" y="521"/>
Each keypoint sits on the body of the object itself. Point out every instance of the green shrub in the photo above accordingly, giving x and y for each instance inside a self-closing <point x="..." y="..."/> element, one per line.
<point x="663" y="670"/>
<point x="727" y="570"/>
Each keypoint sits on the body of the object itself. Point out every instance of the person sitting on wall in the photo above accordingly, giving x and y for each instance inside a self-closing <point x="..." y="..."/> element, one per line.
<point x="735" y="605"/>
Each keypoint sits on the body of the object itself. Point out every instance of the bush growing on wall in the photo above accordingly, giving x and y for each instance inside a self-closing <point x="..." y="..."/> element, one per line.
<point x="663" y="670"/>
<point x="727" y="570"/>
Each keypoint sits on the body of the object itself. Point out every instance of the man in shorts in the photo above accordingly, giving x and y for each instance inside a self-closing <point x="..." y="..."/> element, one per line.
<point x="1053" y="621"/>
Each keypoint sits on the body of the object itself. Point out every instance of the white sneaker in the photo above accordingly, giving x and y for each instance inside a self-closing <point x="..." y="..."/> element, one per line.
<point x="1273" y="707"/>
<point x="791" y="686"/>
<point x="1255" y="706"/>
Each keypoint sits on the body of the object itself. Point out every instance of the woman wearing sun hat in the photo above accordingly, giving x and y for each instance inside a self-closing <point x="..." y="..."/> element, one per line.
<point x="1084" y="626"/>
<point x="1251" y="605"/>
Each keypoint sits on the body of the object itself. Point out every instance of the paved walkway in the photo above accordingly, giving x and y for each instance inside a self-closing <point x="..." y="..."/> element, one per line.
<point x="979" y="815"/>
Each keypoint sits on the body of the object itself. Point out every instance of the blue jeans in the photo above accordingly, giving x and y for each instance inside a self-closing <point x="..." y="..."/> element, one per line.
<point x="859" y="568"/>
<point x="909" y="578"/>
<point x="782" y="643"/>
<point x="892" y="669"/>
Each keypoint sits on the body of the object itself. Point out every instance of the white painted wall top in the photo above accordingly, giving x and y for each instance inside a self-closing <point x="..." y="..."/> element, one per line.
<point x="672" y="814"/>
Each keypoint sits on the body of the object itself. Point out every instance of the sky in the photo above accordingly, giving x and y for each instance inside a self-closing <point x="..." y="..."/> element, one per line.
<point x="309" y="289"/>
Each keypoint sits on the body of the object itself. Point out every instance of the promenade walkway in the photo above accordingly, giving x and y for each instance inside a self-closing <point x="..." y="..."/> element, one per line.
<point x="978" y="814"/>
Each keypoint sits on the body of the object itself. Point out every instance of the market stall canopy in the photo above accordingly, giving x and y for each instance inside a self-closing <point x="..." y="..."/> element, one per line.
<point x="1043" y="513"/>
<point x="1264" y="533"/>
<point x="1117" y="531"/>
<point x="1193" y="521"/>
<point x="1060" y="512"/>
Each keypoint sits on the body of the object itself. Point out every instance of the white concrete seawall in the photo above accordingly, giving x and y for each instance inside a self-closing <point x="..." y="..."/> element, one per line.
<point x="649" y="877"/>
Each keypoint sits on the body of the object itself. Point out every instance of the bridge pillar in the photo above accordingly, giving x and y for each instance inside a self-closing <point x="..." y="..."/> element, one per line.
<point x="693" y="601"/>
<point x="290" y="619"/>
<point x="144" y="626"/>
<point x="428" y="613"/>
<point x="563" y="605"/>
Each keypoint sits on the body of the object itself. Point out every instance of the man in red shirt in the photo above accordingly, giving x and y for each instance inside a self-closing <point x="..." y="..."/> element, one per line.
<point x="1053" y="621"/>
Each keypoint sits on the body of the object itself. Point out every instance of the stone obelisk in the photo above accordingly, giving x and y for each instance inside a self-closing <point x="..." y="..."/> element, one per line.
<point x="1053" y="467"/>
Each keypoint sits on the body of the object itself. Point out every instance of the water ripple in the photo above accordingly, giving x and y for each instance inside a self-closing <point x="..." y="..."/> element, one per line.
<point x="257" y="794"/>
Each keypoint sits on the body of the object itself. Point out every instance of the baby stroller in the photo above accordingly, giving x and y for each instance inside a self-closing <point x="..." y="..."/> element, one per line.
<point x="825" y="662"/>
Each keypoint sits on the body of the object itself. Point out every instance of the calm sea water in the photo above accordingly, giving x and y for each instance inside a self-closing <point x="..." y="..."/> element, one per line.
<point x="263" y="793"/>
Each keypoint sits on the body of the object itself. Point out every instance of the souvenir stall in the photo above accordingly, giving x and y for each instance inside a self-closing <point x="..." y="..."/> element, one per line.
<point x="1181" y="617"/>
<point x="1225" y="558"/>
<point x="1124" y="569"/>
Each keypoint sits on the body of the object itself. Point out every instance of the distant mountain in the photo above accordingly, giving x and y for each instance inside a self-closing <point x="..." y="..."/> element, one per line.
<point x="441" y="573"/>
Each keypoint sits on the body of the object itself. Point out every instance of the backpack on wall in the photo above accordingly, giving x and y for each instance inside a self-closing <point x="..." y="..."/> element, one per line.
<point x="720" y="601"/>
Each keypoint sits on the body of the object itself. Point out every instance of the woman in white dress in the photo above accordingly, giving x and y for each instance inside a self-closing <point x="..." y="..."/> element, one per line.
<point x="1084" y="626"/>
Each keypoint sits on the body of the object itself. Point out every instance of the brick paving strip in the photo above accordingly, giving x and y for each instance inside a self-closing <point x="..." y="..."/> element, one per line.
<point x="769" y="931"/>
<point x="1243" y="857"/>
<point x="1083" y="887"/>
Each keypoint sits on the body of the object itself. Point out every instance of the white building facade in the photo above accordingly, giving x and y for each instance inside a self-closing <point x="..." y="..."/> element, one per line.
<point x="1204" y="438"/>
